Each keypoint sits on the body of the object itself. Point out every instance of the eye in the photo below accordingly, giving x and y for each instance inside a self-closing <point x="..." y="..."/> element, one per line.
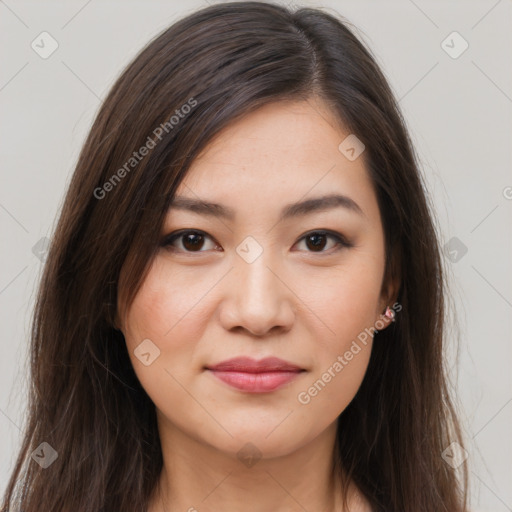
<point x="316" y="241"/>
<point x="192" y="240"/>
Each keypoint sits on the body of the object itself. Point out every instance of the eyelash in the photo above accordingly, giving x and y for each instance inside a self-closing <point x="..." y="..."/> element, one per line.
<point x="342" y="242"/>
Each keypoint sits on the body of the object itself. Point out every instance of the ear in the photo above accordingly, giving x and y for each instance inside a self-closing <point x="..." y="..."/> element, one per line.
<point x="390" y="286"/>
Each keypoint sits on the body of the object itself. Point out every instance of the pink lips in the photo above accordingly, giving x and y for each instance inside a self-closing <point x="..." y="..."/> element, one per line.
<point x="253" y="376"/>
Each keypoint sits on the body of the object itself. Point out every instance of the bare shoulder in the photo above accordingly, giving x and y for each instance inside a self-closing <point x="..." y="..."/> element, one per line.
<point x="359" y="503"/>
<point x="365" y="506"/>
<point x="356" y="501"/>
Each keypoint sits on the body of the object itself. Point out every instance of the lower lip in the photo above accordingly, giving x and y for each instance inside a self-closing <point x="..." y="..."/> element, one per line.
<point x="255" y="382"/>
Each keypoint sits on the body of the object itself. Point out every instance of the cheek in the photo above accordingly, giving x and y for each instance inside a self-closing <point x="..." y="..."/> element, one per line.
<point x="169" y="304"/>
<point x="169" y="310"/>
<point x="339" y="370"/>
<point x="346" y="302"/>
<point x="341" y="361"/>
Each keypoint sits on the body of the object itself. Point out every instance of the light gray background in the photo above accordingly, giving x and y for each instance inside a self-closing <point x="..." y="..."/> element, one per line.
<point x="459" y="115"/>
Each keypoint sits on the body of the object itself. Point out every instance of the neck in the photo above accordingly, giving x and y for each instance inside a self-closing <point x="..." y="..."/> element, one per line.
<point x="199" y="477"/>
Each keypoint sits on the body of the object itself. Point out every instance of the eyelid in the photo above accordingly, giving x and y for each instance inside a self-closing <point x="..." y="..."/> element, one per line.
<point x="342" y="241"/>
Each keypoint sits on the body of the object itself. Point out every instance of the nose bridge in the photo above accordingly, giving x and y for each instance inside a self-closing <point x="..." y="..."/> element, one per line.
<point x="254" y="276"/>
<point x="261" y="299"/>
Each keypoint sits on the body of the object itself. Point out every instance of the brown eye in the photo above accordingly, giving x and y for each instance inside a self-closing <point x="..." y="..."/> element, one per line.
<point x="192" y="241"/>
<point x="316" y="241"/>
<point x="188" y="241"/>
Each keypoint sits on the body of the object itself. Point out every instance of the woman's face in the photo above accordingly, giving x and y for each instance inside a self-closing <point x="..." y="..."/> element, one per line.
<point x="261" y="279"/>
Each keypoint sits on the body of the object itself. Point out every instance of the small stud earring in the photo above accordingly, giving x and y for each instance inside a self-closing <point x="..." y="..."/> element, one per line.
<point x="389" y="313"/>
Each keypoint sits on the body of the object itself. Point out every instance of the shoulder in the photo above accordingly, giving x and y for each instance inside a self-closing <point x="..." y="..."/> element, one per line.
<point x="359" y="503"/>
<point x="356" y="501"/>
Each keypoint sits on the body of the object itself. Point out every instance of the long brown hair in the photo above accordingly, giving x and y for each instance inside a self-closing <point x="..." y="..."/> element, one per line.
<point x="185" y="86"/>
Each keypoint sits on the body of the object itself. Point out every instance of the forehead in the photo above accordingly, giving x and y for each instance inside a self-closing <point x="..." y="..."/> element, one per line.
<point x="278" y="154"/>
<point x="298" y="131"/>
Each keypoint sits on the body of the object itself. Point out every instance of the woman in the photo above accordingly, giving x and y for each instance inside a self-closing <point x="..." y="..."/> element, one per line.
<point x="243" y="303"/>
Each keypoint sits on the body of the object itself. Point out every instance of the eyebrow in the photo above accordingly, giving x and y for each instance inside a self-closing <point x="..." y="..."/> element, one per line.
<point x="298" y="209"/>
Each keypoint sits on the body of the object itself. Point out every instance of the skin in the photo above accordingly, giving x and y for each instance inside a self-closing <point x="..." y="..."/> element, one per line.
<point x="298" y="302"/>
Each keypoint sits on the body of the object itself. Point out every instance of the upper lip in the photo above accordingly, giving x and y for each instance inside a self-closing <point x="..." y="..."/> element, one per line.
<point x="249" y="365"/>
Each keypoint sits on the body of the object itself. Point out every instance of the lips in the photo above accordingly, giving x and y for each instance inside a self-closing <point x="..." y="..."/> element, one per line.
<point x="246" y="374"/>
<point x="248" y="365"/>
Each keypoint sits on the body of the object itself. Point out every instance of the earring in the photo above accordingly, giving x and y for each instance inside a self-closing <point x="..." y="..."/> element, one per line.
<point x="390" y="313"/>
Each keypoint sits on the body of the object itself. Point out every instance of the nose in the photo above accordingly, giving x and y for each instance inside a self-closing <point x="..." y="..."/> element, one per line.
<point x="257" y="298"/>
